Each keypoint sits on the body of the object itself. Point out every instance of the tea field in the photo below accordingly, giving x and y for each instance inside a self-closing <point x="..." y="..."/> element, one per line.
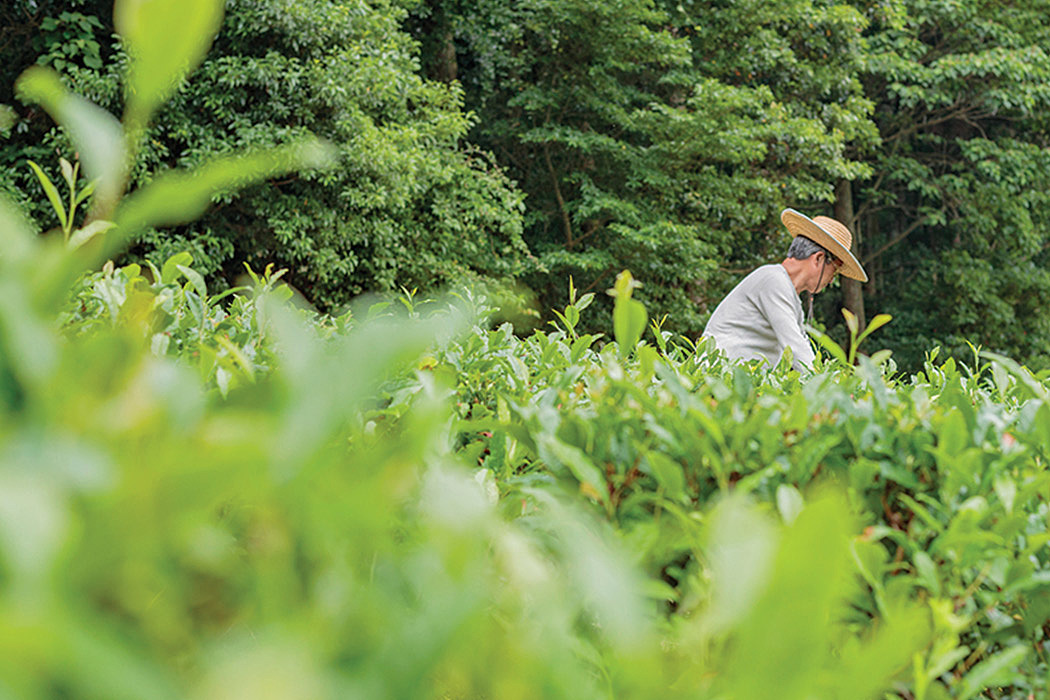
<point x="218" y="494"/>
<point x="219" y="497"/>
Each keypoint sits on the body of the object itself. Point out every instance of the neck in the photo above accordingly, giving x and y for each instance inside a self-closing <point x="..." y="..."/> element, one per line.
<point x="797" y="272"/>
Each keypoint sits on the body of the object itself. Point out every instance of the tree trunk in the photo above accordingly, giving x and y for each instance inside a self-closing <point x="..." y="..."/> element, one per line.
<point x="852" y="291"/>
<point x="446" y="69"/>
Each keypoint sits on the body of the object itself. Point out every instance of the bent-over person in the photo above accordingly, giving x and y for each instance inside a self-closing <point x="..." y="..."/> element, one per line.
<point x="762" y="316"/>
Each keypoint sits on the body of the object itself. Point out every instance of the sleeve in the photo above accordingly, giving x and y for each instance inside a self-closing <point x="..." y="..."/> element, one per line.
<point x="779" y="310"/>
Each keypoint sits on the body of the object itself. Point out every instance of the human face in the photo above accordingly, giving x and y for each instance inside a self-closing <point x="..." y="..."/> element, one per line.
<point x="825" y="270"/>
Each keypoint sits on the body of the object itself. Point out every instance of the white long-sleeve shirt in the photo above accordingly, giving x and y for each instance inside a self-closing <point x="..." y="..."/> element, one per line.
<point x="761" y="317"/>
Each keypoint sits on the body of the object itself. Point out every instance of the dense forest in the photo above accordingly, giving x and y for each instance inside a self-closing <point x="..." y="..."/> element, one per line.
<point x="536" y="140"/>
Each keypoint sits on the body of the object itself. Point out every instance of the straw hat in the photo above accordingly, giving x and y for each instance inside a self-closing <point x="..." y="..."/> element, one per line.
<point x="829" y="233"/>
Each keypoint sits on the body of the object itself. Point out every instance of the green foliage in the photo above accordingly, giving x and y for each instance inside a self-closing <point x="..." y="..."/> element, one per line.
<point x="227" y="495"/>
<point x="660" y="137"/>
<point x="70" y="38"/>
<point x="945" y="471"/>
<point x="409" y="204"/>
<point x="664" y="138"/>
<point x="638" y="142"/>
<point x="956" y="211"/>
<point x="312" y="500"/>
<point x="212" y="495"/>
<point x="171" y="311"/>
<point x="77" y="195"/>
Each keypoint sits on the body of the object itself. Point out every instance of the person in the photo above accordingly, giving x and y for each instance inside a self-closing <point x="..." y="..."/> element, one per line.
<point x="762" y="316"/>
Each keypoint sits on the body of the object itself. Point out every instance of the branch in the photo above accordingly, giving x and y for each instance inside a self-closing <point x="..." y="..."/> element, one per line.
<point x="596" y="225"/>
<point x="598" y="279"/>
<point x="956" y="112"/>
<point x="864" y="208"/>
<point x="569" y="242"/>
<point x="895" y="240"/>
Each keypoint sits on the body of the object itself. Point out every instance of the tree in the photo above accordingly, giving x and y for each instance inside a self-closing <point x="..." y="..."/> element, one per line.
<point x="410" y="203"/>
<point x="643" y="137"/>
<point x="956" y="213"/>
<point x="809" y="55"/>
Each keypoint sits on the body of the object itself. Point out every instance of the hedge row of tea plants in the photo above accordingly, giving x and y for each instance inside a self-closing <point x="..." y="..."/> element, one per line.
<point x="943" y="472"/>
<point x="691" y="526"/>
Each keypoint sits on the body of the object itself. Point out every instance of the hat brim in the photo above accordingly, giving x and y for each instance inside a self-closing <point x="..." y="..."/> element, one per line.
<point x="798" y="224"/>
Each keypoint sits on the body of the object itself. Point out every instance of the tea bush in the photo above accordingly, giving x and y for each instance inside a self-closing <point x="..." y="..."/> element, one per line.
<point x="944" y="472"/>
<point x="894" y="541"/>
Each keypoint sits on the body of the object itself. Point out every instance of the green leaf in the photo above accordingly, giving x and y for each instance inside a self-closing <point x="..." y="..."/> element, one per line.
<point x="572" y="316"/>
<point x="789" y="502"/>
<point x="557" y="453"/>
<point x="238" y="357"/>
<point x="86" y="233"/>
<point x="1023" y="374"/>
<point x="17" y="239"/>
<point x="996" y="670"/>
<point x="52" y="193"/>
<point x="667" y="472"/>
<point x="629" y="319"/>
<point x="196" y="279"/>
<point x="1006" y="490"/>
<point x="181" y="196"/>
<point x="96" y="134"/>
<point x="780" y="647"/>
<point x="27" y="343"/>
<point x="953" y="437"/>
<point x="173" y="265"/>
<point x="878" y="358"/>
<point x="629" y="316"/>
<point x="876" y="323"/>
<point x="212" y="300"/>
<point x="67" y="173"/>
<point x="166" y="40"/>
<point x="740" y="553"/>
<point x="825" y="341"/>
<point x="867" y="669"/>
<point x="851" y="322"/>
<point x="85" y="192"/>
<point x="926" y="570"/>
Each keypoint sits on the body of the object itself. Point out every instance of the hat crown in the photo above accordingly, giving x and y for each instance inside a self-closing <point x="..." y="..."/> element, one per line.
<point x="830" y="233"/>
<point x="836" y="230"/>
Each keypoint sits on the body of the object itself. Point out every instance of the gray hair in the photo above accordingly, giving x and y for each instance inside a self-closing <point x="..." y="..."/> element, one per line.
<point x="802" y="248"/>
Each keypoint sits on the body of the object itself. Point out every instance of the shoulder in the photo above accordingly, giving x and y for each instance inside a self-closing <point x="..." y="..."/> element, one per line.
<point x="772" y="285"/>
<point x="769" y="276"/>
<point x="775" y="270"/>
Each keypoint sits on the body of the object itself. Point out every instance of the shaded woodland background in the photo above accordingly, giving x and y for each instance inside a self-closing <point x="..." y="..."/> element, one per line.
<point x="533" y="140"/>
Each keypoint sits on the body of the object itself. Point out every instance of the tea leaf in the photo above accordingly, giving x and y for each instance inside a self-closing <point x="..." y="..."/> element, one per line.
<point x="86" y="233"/>
<point x="17" y="240"/>
<point x="851" y="322"/>
<point x="174" y="265"/>
<point x="629" y="315"/>
<point x="195" y="278"/>
<point x="789" y="502"/>
<point x="829" y="345"/>
<point x="67" y="173"/>
<point x="96" y="134"/>
<point x="876" y="323"/>
<point x="993" y="671"/>
<point x="161" y="55"/>
<point x="177" y="197"/>
<point x="52" y="193"/>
